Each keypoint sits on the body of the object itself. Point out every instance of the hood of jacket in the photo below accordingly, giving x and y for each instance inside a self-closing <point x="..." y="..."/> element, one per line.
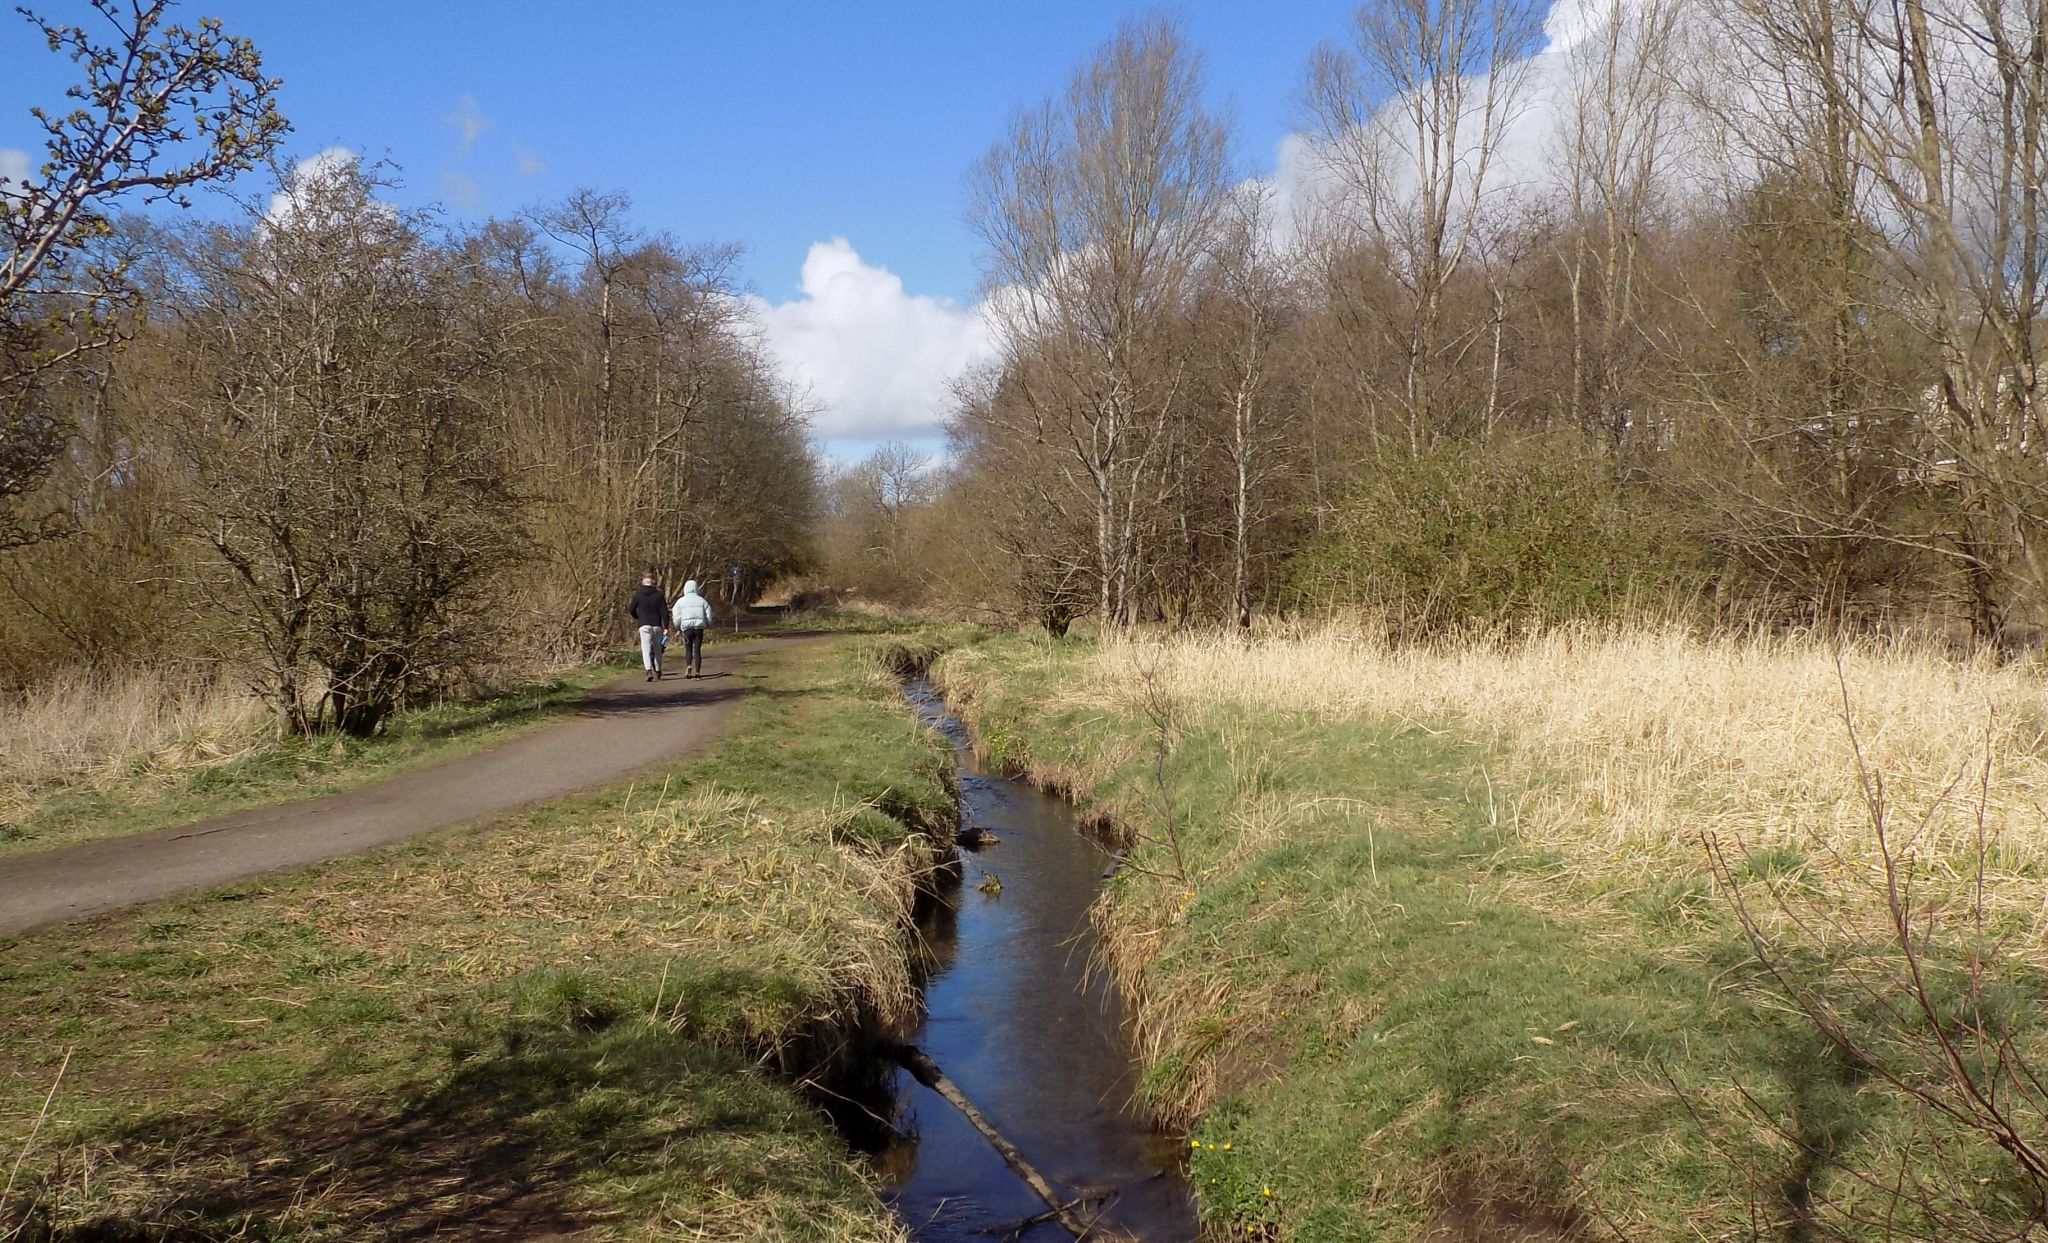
<point x="690" y="588"/>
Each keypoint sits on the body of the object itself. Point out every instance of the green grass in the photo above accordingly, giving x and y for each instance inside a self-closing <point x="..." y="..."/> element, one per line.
<point x="582" y="1019"/>
<point x="276" y="770"/>
<point x="1381" y="1016"/>
<point x="850" y="621"/>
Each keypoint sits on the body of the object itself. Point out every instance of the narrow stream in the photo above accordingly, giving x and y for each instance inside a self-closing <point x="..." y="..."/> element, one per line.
<point x="1016" y="1021"/>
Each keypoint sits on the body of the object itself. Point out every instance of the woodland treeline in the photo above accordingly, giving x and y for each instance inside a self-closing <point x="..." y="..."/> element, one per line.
<point x="1730" y="307"/>
<point x="343" y="450"/>
<point x="1748" y="329"/>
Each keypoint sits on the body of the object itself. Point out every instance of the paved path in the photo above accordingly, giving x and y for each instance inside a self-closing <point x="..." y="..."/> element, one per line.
<point x="619" y="728"/>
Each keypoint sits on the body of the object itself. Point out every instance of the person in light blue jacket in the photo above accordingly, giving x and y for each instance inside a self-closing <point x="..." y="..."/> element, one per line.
<point x="693" y="618"/>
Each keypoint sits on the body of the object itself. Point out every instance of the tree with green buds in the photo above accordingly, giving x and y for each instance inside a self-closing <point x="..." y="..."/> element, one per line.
<point x="157" y="109"/>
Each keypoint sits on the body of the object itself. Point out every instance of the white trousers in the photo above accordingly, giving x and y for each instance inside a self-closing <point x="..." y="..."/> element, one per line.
<point x="650" y="648"/>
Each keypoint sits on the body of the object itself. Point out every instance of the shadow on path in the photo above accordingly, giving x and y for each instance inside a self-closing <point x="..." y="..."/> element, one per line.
<point x="654" y="697"/>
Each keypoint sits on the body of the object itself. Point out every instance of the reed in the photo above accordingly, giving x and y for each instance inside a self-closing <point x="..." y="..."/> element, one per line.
<point x="103" y="730"/>
<point x="1620" y="748"/>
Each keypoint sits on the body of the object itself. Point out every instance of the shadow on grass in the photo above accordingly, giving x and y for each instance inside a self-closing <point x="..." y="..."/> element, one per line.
<point x="519" y="705"/>
<point x="555" y="1126"/>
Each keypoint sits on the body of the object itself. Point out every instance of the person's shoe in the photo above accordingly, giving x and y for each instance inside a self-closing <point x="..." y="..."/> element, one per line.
<point x="649" y="677"/>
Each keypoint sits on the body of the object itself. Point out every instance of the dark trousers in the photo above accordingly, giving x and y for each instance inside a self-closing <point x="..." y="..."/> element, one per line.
<point x="693" y="649"/>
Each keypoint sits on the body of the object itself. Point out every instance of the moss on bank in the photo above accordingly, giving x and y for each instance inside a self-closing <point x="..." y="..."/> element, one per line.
<point x="583" y="1020"/>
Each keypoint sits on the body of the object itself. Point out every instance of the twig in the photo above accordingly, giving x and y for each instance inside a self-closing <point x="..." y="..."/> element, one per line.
<point x="7" y="1192"/>
<point x="1013" y="1229"/>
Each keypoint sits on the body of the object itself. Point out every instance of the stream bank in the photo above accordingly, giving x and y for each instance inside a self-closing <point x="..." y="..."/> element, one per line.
<point x="1384" y="1013"/>
<point x="1033" y="1036"/>
<point x="593" y="1019"/>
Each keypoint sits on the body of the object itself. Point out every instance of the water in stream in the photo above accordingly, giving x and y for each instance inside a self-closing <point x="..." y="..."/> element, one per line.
<point x="1015" y="1020"/>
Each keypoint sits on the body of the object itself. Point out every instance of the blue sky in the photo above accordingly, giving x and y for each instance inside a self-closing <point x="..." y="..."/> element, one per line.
<point x="782" y="126"/>
<point x="774" y="124"/>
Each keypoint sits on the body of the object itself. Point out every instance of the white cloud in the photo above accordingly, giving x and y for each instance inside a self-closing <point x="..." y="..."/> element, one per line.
<point x="529" y="163"/>
<point x="1527" y="161"/>
<point x="468" y="120"/>
<point x="1569" y="22"/>
<point x="1298" y="186"/>
<point x="305" y="175"/>
<point x="13" y="166"/>
<point x="878" y="361"/>
<point x="1659" y="53"/>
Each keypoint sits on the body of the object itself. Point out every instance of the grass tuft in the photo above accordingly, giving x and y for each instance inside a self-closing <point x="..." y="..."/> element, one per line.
<point x="86" y="757"/>
<point x="582" y="1020"/>
<point x="1422" y="942"/>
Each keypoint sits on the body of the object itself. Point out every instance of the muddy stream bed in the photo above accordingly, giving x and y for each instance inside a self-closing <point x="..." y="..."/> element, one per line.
<point x="1018" y="1023"/>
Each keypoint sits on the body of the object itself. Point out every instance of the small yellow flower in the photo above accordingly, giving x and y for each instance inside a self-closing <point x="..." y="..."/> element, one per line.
<point x="1267" y="1190"/>
<point x="1194" y="1143"/>
<point x="1226" y="1145"/>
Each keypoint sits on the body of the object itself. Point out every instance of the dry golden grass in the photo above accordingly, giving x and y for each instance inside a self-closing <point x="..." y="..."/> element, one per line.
<point x="540" y="1023"/>
<point x="1619" y="749"/>
<point x="84" y="729"/>
<point x="706" y="872"/>
<point x="728" y="889"/>
<point x="87" y="755"/>
<point x="833" y="912"/>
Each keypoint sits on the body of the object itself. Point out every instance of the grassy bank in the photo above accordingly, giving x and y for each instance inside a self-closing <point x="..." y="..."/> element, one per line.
<point x="84" y="758"/>
<point x="582" y="1021"/>
<point x="1423" y="943"/>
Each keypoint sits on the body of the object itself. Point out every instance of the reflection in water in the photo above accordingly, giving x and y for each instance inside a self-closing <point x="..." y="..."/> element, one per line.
<point x="1016" y="1021"/>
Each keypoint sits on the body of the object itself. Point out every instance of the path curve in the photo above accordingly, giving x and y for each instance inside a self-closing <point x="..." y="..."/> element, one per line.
<point x="619" y="728"/>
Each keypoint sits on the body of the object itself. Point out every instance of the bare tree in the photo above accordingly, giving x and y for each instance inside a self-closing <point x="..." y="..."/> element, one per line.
<point x="1020" y="496"/>
<point x="1409" y="118"/>
<point x="1095" y="211"/>
<point x="871" y="529"/>
<point x="1241" y="327"/>
<point x="345" y="476"/>
<point x="1941" y="106"/>
<point x="1616" y="136"/>
<point x="594" y="226"/>
<point x="658" y="326"/>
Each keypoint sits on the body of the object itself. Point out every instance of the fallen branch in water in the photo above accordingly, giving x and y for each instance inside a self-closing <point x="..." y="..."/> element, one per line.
<point x="1104" y="1197"/>
<point x="927" y="1072"/>
<point x="1015" y="1229"/>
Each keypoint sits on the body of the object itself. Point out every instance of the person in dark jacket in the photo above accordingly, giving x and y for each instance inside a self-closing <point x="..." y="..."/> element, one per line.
<point x="650" y="610"/>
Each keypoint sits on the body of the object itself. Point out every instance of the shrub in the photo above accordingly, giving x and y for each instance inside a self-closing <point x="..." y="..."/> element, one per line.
<point x="1490" y="536"/>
